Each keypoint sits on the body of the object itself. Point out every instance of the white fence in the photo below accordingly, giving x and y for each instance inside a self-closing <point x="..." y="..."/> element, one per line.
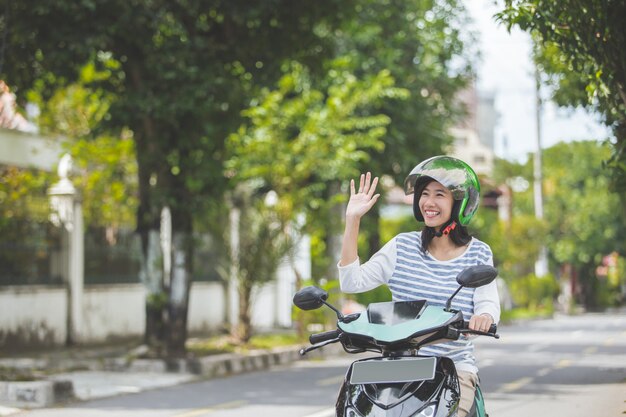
<point x="37" y="315"/>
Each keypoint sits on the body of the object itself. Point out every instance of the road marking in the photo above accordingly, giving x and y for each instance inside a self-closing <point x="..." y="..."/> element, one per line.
<point x="324" y="413"/>
<point x="200" y="411"/>
<point x="515" y="385"/>
<point x="590" y="350"/>
<point x="563" y="363"/>
<point x="609" y="342"/>
<point x="330" y="381"/>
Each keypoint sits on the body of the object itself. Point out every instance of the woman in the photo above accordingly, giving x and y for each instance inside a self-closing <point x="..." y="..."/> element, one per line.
<point x="424" y="265"/>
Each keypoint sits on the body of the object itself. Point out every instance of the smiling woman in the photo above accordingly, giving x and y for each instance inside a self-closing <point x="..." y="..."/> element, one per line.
<point x="435" y="204"/>
<point x="424" y="265"/>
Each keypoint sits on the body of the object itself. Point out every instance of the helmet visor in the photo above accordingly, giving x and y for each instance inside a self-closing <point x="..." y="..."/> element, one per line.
<point x="452" y="173"/>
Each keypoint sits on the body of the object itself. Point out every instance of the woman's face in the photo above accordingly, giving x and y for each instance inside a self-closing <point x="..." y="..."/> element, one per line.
<point x="435" y="204"/>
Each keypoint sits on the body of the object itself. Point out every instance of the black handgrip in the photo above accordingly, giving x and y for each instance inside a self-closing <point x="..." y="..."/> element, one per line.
<point x="322" y="337"/>
<point x="493" y="329"/>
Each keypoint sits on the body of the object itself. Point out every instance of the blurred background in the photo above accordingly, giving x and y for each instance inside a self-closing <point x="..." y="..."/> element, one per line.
<point x="179" y="168"/>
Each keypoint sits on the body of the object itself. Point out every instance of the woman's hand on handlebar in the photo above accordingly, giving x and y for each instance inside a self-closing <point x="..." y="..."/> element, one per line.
<point x="362" y="200"/>
<point x="481" y="322"/>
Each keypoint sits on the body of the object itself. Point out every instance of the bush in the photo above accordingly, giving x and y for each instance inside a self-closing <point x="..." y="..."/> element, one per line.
<point x="533" y="293"/>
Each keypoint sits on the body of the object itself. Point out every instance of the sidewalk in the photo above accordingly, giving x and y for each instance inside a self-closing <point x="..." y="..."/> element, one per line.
<point x="86" y="374"/>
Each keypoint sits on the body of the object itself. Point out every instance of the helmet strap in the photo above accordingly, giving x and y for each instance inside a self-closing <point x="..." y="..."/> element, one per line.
<point x="446" y="228"/>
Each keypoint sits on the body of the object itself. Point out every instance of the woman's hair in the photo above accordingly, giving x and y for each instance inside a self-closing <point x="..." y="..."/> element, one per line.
<point x="459" y="235"/>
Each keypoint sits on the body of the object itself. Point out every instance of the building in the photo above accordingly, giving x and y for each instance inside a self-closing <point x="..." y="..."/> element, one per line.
<point x="474" y="136"/>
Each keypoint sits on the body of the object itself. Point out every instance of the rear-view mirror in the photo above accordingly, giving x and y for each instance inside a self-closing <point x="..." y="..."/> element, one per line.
<point x="477" y="276"/>
<point x="310" y="298"/>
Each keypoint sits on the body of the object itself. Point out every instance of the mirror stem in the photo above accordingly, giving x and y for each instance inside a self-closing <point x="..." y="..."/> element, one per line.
<point x="339" y="315"/>
<point x="449" y="302"/>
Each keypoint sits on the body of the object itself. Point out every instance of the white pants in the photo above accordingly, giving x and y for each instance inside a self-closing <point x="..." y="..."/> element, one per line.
<point x="467" y="381"/>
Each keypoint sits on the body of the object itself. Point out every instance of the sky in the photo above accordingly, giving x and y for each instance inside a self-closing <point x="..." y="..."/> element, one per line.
<point x="506" y="71"/>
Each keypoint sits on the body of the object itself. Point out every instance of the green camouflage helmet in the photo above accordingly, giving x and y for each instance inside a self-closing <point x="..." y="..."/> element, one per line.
<point x="452" y="173"/>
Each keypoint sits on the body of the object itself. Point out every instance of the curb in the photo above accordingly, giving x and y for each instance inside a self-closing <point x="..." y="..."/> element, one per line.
<point x="45" y="393"/>
<point x="35" y="394"/>
<point x="207" y="366"/>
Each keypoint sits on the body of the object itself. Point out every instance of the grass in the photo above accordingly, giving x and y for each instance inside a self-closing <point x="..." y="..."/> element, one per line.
<point x="524" y="314"/>
<point x="17" y="375"/>
<point x="226" y="344"/>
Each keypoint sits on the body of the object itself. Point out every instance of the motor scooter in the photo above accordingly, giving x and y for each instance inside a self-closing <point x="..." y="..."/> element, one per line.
<point x="400" y="382"/>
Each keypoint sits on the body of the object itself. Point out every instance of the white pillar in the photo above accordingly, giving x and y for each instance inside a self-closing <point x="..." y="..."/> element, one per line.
<point x="67" y="212"/>
<point x="541" y="264"/>
<point x="232" y="304"/>
<point x="77" y="271"/>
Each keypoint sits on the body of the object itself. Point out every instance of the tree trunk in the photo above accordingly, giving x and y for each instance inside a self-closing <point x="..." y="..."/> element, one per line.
<point x="244" y="332"/>
<point x="589" y="287"/>
<point x="179" y="289"/>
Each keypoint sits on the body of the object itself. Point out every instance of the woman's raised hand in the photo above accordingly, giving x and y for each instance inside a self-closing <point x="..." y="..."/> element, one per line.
<point x="362" y="201"/>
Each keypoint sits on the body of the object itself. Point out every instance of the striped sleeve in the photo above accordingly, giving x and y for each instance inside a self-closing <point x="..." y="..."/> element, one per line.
<point x="355" y="278"/>
<point x="486" y="299"/>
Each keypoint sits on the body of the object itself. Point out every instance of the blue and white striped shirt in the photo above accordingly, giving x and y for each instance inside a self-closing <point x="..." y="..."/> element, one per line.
<point x="412" y="274"/>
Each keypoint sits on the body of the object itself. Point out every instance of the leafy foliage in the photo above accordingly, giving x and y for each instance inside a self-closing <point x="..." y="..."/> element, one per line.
<point x="582" y="46"/>
<point x="298" y="137"/>
<point x="180" y="72"/>
<point x="582" y="220"/>
<point x="175" y="76"/>
<point x="423" y="46"/>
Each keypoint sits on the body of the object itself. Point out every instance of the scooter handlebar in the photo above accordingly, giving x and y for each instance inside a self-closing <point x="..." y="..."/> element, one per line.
<point x="491" y="332"/>
<point x="324" y="336"/>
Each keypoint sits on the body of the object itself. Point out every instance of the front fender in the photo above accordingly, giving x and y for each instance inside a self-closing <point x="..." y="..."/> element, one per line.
<point x="438" y="397"/>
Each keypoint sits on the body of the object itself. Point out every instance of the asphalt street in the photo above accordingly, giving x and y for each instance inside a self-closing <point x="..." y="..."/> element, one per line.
<point x="569" y="365"/>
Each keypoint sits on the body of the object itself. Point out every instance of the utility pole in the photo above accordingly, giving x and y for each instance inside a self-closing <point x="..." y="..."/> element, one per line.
<point x="541" y="265"/>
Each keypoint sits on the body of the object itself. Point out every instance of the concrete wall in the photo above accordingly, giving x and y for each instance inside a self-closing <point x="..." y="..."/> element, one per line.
<point x="119" y="310"/>
<point x="207" y="307"/>
<point x="32" y="315"/>
<point x="113" y="311"/>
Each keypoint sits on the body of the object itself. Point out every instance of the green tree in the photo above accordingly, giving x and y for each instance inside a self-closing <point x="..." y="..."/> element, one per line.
<point x="104" y="176"/>
<point x="183" y="71"/>
<point x="582" y="47"/>
<point x="105" y="165"/>
<point x="299" y="138"/>
<point x="264" y="240"/>
<point x="24" y="225"/>
<point x="427" y="49"/>
<point x="584" y="220"/>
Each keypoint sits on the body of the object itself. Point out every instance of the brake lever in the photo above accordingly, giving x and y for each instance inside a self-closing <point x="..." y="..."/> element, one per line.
<point x="304" y="351"/>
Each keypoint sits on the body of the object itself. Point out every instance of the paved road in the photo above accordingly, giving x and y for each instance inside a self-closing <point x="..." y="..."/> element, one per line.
<point x="570" y="366"/>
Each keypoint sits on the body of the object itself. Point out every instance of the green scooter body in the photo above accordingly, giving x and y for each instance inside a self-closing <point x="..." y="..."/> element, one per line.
<point x="397" y="329"/>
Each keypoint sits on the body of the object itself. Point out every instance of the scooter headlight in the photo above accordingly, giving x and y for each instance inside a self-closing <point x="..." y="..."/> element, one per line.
<point x="350" y="412"/>
<point x="427" y="412"/>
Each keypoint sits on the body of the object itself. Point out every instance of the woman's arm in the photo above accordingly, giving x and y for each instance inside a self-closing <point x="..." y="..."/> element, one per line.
<point x="360" y="203"/>
<point x="354" y="277"/>
<point x="486" y="305"/>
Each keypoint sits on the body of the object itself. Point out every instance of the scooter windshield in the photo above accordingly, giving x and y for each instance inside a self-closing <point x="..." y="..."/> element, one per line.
<point x="395" y="312"/>
<point x="398" y="320"/>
